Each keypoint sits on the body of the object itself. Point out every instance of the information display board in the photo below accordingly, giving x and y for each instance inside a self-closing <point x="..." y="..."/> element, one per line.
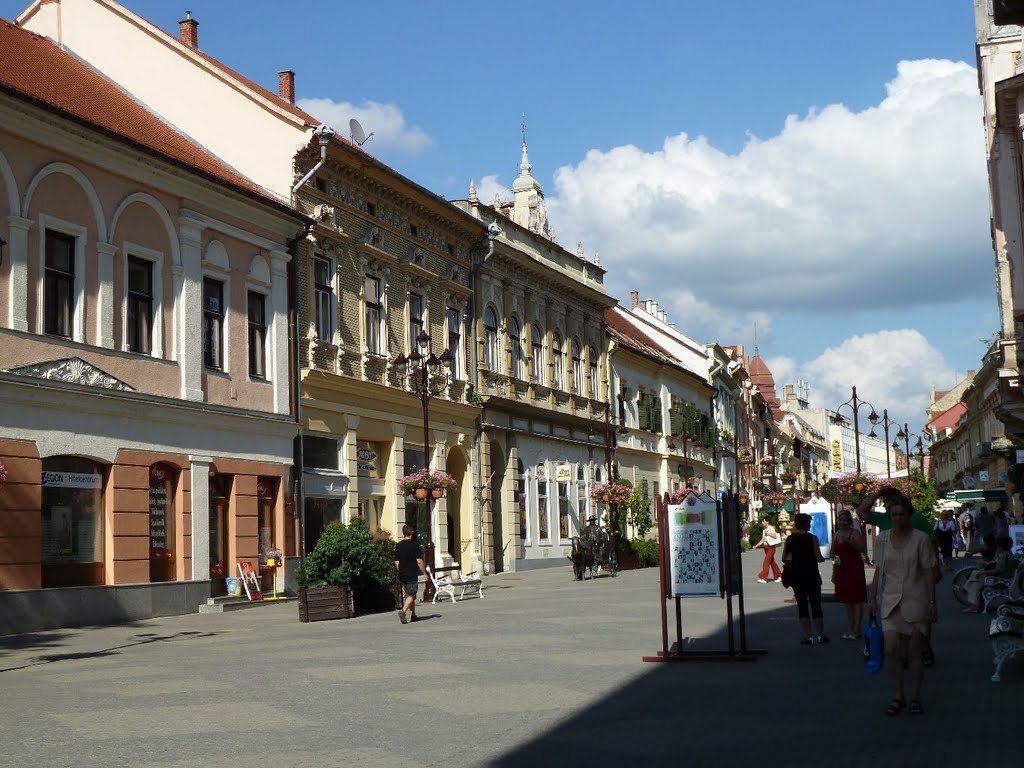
<point x="693" y="546"/>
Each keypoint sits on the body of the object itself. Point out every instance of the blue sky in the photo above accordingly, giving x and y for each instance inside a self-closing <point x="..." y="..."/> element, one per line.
<point x="743" y="163"/>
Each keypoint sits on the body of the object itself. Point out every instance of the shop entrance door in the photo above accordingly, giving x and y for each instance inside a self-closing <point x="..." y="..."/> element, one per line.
<point x="372" y="510"/>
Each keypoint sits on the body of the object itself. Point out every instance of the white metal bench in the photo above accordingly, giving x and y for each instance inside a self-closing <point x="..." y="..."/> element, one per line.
<point x="450" y="578"/>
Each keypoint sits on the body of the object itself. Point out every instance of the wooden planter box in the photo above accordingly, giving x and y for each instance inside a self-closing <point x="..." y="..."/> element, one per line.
<point x="628" y="560"/>
<point x="325" y="604"/>
<point x="377" y="599"/>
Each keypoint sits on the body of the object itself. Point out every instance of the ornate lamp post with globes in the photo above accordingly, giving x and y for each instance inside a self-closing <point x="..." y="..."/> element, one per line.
<point x="427" y="376"/>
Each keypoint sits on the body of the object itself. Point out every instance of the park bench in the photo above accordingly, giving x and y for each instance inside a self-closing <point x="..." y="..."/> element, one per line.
<point x="996" y="592"/>
<point x="450" y="578"/>
<point x="1006" y="632"/>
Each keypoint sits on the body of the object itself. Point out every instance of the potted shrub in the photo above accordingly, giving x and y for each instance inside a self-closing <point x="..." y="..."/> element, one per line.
<point x="346" y="561"/>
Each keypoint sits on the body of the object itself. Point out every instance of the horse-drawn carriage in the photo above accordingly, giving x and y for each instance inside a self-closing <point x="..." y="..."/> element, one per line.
<point x="593" y="550"/>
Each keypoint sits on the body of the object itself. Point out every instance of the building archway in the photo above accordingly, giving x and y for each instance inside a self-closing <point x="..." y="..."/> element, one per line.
<point x="456" y="467"/>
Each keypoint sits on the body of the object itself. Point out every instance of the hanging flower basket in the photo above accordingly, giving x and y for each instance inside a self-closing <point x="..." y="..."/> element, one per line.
<point x="775" y="499"/>
<point x="617" y="492"/>
<point x="788" y="477"/>
<point x="437" y="493"/>
<point x="421" y="483"/>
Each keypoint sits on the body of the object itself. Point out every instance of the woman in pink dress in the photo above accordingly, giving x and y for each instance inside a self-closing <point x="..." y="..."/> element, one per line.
<point x="847" y="555"/>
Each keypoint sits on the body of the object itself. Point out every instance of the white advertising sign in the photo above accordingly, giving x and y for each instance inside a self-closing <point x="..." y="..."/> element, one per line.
<point x="693" y="546"/>
<point x="71" y="480"/>
<point x="563" y="473"/>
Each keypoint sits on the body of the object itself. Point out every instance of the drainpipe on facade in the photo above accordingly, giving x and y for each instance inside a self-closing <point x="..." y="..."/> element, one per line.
<point x="493" y="230"/>
<point x="324" y="134"/>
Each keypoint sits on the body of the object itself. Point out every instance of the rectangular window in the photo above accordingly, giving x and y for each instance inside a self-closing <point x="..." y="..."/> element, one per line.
<point x="374" y="314"/>
<point x="543" y="521"/>
<point x="213" y="323"/>
<point x="522" y="502"/>
<point x="455" y="340"/>
<point x="257" y="335"/>
<point x="593" y="374"/>
<point x="416" y="310"/>
<point x="59" y="284"/>
<point x="319" y="452"/>
<point x="323" y="299"/>
<point x="140" y="305"/>
<point x="564" y="520"/>
<point x="536" y="354"/>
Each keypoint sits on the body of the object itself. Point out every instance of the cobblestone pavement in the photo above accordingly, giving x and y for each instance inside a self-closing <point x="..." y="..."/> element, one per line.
<point x="542" y="671"/>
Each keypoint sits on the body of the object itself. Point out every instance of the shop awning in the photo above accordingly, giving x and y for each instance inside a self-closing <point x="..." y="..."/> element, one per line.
<point x="978" y="494"/>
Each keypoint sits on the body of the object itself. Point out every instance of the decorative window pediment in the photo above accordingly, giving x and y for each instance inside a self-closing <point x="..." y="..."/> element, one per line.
<point x="73" y="370"/>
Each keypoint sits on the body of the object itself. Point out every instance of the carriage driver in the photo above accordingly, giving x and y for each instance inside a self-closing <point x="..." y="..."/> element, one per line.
<point x="593" y="531"/>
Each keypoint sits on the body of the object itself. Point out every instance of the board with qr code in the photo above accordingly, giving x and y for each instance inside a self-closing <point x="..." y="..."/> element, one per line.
<point x="693" y="546"/>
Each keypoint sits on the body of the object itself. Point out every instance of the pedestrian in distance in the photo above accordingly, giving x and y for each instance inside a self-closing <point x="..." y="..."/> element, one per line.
<point x="770" y="539"/>
<point x="1001" y="524"/>
<point x="984" y="524"/>
<point x="903" y="596"/>
<point x="409" y="562"/>
<point x="800" y="557"/>
<point x="946" y="532"/>
<point x="848" y="573"/>
<point x="967" y="529"/>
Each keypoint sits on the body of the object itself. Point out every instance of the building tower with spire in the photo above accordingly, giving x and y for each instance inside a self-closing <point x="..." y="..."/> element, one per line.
<point x="528" y="207"/>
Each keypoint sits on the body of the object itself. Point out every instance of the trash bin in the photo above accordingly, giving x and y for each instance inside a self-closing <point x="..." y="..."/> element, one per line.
<point x="234" y="584"/>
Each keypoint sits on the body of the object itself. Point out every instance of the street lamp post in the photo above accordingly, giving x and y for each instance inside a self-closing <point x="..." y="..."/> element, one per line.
<point x="610" y="429"/>
<point x="428" y="376"/>
<point x="919" y="445"/>
<point x="855" y="405"/>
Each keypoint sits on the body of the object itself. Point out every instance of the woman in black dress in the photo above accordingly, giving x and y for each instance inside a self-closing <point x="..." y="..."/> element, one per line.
<point x="800" y="558"/>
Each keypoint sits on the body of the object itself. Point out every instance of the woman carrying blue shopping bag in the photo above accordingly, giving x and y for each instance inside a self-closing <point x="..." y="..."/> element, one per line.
<point x="903" y="592"/>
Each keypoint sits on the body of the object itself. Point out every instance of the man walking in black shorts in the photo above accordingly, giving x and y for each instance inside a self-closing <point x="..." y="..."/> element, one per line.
<point x="409" y="562"/>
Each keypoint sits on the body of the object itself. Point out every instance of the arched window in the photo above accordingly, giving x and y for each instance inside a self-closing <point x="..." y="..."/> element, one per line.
<point x="491" y="339"/>
<point x="515" y="340"/>
<point x="72" y="522"/>
<point x="577" y="367"/>
<point x="163" y="481"/>
<point x="536" y="354"/>
<point x="593" y="360"/>
<point x="557" y="361"/>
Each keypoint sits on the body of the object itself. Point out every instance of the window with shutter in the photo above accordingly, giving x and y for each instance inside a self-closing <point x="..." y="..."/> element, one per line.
<point x="676" y="417"/>
<point x="656" y="414"/>
<point x="644" y="411"/>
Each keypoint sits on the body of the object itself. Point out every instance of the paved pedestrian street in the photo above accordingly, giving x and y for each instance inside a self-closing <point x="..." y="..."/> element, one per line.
<point x="541" y="671"/>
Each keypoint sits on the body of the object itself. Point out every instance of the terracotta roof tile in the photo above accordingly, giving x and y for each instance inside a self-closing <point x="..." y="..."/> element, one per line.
<point x="34" y="68"/>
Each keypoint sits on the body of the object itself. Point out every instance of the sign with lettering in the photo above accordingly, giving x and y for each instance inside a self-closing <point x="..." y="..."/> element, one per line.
<point x="563" y="473"/>
<point x="694" y="557"/>
<point x="837" y="456"/>
<point x="367" y="460"/>
<point x="71" y="480"/>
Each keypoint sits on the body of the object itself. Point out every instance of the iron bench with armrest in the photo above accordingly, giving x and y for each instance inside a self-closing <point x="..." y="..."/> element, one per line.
<point x="450" y="578"/>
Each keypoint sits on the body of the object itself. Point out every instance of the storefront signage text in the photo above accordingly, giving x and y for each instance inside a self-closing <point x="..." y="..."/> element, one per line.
<point x="71" y="480"/>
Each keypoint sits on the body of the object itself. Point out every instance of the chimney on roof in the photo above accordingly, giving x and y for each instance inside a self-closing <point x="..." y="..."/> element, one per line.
<point x="971" y="374"/>
<point x="189" y="31"/>
<point x="286" y="85"/>
<point x="634" y="299"/>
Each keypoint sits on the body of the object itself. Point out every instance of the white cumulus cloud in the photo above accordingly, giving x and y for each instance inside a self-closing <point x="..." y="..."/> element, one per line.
<point x="385" y="121"/>
<point x="841" y="208"/>
<point x="893" y="369"/>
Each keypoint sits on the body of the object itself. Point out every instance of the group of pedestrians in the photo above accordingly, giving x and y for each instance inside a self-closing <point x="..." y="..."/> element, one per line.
<point x="902" y="593"/>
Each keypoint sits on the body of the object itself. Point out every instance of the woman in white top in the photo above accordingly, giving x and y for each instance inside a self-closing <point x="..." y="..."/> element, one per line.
<point x="770" y="539"/>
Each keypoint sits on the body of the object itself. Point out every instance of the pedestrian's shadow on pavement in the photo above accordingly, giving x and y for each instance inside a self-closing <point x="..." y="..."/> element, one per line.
<point x="427" y="617"/>
<point x="142" y="638"/>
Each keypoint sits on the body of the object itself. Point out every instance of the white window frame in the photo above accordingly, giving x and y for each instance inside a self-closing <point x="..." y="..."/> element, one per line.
<point x="557" y="361"/>
<point x="576" y="356"/>
<point x="332" y="304"/>
<point x="537" y="351"/>
<point x="381" y="350"/>
<point x="156" y="258"/>
<point x="459" y="367"/>
<point x="269" y="318"/>
<point x="547" y="503"/>
<point x="491" y="347"/>
<point x="525" y="484"/>
<point x="517" y="356"/>
<point x="594" y="372"/>
<point x="409" y="316"/>
<point x="79" y="233"/>
<point x="225" y="326"/>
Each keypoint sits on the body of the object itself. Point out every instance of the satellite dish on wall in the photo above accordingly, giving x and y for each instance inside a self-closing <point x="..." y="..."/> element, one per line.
<point x="358" y="134"/>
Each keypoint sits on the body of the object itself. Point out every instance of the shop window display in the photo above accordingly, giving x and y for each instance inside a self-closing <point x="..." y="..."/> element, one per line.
<point x="72" y="522"/>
